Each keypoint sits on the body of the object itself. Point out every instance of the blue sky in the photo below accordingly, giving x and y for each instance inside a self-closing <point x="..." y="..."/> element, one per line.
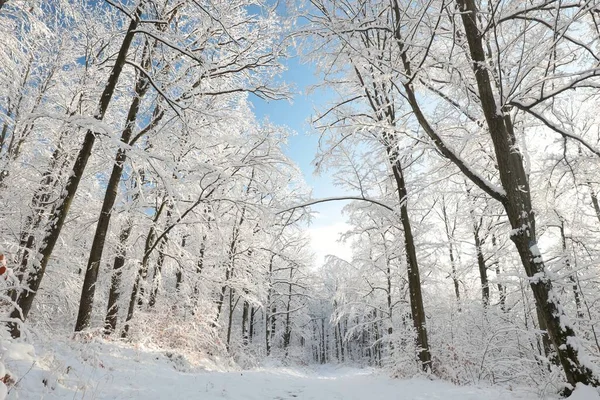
<point x="302" y="148"/>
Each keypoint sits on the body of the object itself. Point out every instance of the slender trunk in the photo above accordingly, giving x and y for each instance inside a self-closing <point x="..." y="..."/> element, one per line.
<point x="267" y="328"/>
<point x="273" y="322"/>
<point x="160" y="261"/>
<point x="414" y="279"/>
<point x="91" y="274"/>
<point x="112" y="311"/>
<point x="594" y="201"/>
<point x="55" y="225"/>
<point x="572" y="275"/>
<point x="5" y="125"/>
<point x="179" y="273"/>
<point x="245" y="312"/>
<point x="39" y="203"/>
<point x="267" y="307"/>
<point x="449" y="236"/>
<point x="501" y="287"/>
<point x="230" y="264"/>
<point x="137" y="291"/>
<point x="337" y="343"/>
<point x="287" y="334"/>
<point x="485" y="288"/>
<point x="200" y="264"/>
<point x="341" y="340"/>
<point x="517" y="203"/>
<point x="251" y="330"/>
<point x="157" y="273"/>
<point x="232" y="306"/>
<point x="323" y="359"/>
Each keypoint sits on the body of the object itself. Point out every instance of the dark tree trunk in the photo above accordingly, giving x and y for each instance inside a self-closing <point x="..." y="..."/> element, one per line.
<point x="251" y="330"/>
<point x="384" y="111"/>
<point x="517" y="203"/>
<point x="88" y="290"/>
<point x="323" y="351"/>
<point x="287" y="334"/>
<point x="485" y="288"/>
<point x="337" y="344"/>
<point x="267" y="307"/>
<point x="112" y="311"/>
<point x="245" y="330"/>
<point x="200" y="264"/>
<point x="137" y="291"/>
<point x="38" y="203"/>
<point x="414" y="279"/>
<point x="232" y="305"/>
<point x="572" y="275"/>
<point x="501" y="287"/>
<point x="594" y="201"/>
<point x="450" y="236"/>
<point x="229" y="270"/>
<point x="179" y="273"/>
<point x="157" y="273"/>
<point x="55" y="225"/>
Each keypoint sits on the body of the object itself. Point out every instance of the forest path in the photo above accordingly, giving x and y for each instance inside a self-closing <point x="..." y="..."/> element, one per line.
<point x="101" y="370"/>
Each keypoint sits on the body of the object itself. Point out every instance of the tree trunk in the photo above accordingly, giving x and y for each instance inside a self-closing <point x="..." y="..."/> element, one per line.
<point x="414" y="279"/>
<point x="501" y="287"/>
<point x="137" y="290"/>
<point x="179" y="273"/>
<point x="594" y="201"/>
<point x="518" y="207"/>
<point x="245" y="312"/>
<point x="287" y="334"/>
<point x="157" y="273"/>
<point x="251" y="330"/>
<point x="485" y="288"/>
<point x="55" y="225"/>
<point x="88" y="290"/>
<point x="449" y="235"/>
<point x="572" y="275"/>
<point x="232" y="306"/>
<point x="323" y="359"/>
<point x="112" y="311"/>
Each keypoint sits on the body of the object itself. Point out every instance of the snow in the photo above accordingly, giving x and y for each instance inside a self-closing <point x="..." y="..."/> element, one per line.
<point x="103" y="370"/>
<point x="583" y="392"/>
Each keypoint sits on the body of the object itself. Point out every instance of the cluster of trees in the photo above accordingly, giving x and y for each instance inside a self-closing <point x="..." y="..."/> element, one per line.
<point x="141" y="198"/>
<point x="470" y="129"/>
<point x="140" y="194"/>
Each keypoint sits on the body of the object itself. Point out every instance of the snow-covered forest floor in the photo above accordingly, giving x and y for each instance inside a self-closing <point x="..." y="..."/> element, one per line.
<point x="104" y="370"/>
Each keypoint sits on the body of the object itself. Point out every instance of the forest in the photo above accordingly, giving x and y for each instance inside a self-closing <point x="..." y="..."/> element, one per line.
<point x="144" y="202"/>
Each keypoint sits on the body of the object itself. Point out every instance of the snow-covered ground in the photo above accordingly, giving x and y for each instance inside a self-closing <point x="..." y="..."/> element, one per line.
<point x="100" y="370"/>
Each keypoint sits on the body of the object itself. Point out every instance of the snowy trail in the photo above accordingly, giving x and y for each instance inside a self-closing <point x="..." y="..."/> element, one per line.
<point x="107" y="371"/>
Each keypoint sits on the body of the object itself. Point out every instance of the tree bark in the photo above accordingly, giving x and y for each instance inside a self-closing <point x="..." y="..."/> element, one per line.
<point x="485" y="288"/>
<point x="449" y="235"/>
<point x="287" y="334"/>
<point x="157" y="273"/>
<point x="245" y="330"/>
<point x="501" y="287"/>
<point x="137" y="290"/>
<point x="572" y="274"/>
<point x="517" y="204"/>
<point x="251" y="330"/>
<point x="112" y="310"/>
<point x="55" y="225"/>
<point x="594" y="201"/>
<point x="88" y="290"/>
<point x="268" y="307"/>
<point x="179" y="273"/>
<point x="414" y="279"/>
